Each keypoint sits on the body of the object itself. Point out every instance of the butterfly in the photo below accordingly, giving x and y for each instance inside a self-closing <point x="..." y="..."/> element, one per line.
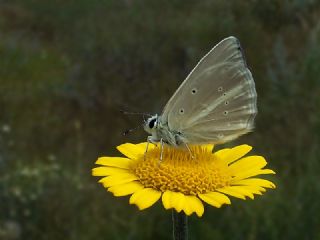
<point x="216" y="103"/>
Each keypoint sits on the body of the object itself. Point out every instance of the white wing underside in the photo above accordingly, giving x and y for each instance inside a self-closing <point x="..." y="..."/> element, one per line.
<point x="217" y="101"/>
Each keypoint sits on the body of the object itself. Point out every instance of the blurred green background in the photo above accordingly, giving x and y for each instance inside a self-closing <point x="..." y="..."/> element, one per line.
<point x="68" y="67"/>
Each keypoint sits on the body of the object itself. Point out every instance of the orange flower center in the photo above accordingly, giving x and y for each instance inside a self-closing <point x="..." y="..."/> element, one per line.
<point x="179" y="171"/>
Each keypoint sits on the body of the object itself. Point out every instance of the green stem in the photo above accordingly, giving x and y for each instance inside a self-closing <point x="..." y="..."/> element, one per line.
<point x="180" y="225"/>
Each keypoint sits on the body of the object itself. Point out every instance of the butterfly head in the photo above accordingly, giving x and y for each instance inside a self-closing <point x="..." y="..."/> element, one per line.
<point x="151" y="124"/>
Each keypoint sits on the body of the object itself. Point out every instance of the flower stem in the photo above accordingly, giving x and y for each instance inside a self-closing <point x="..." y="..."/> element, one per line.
<point x="180" y="225"/>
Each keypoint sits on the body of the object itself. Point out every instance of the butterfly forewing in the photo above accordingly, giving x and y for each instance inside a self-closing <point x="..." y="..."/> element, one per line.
<point x="217" y="101"/>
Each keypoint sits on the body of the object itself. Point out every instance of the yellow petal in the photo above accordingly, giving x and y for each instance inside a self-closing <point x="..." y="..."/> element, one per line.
<point x="130" y="150"/>
<point x="143" y="146"/>
<point x="167" y="199"/>
<point x="210" y="200"/>
<point x="135" y="151"/>
<point x="106" y="171"/>
<point x="114" y="162"/>
<point x="222" y="153"/>
<point x="255" y="189"/>
<point x="237" y="153"/>
<point x="255" y="182"/>
<point x="145" y="198"/>
<point x="246" y="191"/>
<point x="237" y="191"/>
<point x="193" y="204"/>
<point x="248" y="163"/>
<point x="174" y="200"/>
<point x="215" y="199"/>
<point x="118" y="179"/>
<point x="230" y="191"/>
<point x="251" y="173"/>
<point x="125" y="189"/>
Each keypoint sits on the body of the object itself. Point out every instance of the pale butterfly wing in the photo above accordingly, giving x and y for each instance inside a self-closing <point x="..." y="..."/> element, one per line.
<point x="217" y="101"/>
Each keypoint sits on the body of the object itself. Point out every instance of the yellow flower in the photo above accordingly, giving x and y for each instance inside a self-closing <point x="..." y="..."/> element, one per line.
<point x="184" y="181"/>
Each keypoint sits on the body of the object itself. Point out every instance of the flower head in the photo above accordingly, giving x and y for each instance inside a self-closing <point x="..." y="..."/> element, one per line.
<point x="183" y="179"/>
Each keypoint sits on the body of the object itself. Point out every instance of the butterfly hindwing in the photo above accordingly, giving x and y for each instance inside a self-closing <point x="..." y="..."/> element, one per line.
<point x="217" y="101"/>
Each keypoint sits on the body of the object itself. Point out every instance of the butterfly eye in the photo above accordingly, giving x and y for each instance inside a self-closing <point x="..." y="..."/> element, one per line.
<point x="152" y="122"/>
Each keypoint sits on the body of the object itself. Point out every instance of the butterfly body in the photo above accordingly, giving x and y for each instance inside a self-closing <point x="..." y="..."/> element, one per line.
<point x="160" y="131"/>
<point x="216" y="103"/>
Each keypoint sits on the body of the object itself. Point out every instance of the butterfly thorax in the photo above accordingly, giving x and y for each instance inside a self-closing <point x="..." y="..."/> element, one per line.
<point x="160" y="131"/>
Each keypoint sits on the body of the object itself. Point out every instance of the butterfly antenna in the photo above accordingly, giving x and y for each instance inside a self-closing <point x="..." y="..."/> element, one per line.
<point x="135" y="113"/>
<point x="126" y="132"/>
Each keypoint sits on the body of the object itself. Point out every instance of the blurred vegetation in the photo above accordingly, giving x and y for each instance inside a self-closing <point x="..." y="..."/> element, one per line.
<point x="68" y="67"/>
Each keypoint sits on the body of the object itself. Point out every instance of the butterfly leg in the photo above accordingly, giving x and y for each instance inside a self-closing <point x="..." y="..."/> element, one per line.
<point x="189" y="151"/>
<point x="161" y="149"/>
<point x="148" y="141"/>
